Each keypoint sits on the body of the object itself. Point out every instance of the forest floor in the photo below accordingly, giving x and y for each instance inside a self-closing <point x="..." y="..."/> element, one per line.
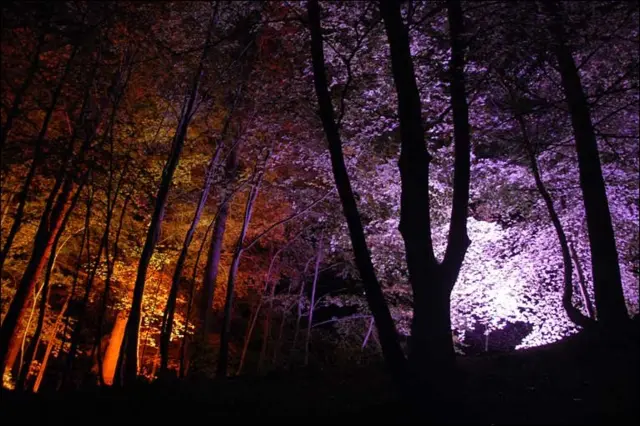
<point x="581" y="380"/>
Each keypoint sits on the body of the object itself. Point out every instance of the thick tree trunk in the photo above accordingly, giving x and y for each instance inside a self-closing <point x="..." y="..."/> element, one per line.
<point x="431" y="358"/>
<point x="130" y="361"/>
<point x="107" y="284"/>
<point x="388" y="335"/>
<point x="223" y="359"/>
<point x="607" y="282"/>
<point x="431" y="347"/>
<point x="110" y="361"/>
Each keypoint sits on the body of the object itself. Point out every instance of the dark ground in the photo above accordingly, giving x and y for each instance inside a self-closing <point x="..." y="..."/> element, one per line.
<point x="582" y="380"/>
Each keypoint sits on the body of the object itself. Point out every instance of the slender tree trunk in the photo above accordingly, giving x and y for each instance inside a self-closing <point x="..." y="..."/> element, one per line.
<point x="130" y="362"/>
<point x="32" y="349"/>
<point x="215" y="248"/>
<point x="366" y="336"/>
<point x="37" y="159"/>
<point x="104" y="240"/>
<point x="56" y="204"/>
<point x="391" y="347"/>
<point x="299" y="313"/>
<point x="278" y="345"/>
<point x="313" y="302"/>
<point x="85" y="242"/>
<point x="167" y="322"/>
<point x="607" y="282"/>
<point x="49" y="225"/>
<point x="183" y="344"/>
<point x="233" y="272"/>
<point x="253" y="320"/>
<point x="573" y="313"/>
<point x="50" y="344"/>
<point x="582" y="283"/>
<point x="254" y="317"/>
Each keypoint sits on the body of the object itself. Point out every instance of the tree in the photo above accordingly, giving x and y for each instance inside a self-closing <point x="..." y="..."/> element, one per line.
<point x="130" y="347"/>
<point x="610" y="305"/>
<point x="384" y="323"/>
<point x="431" y="357"/>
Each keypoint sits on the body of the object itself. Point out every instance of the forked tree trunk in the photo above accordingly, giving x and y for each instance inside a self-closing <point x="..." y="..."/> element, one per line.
<point x="431" y="358"/>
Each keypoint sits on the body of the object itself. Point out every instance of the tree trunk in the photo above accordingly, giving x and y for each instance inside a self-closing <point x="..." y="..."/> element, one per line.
<point x="183" y="344"/>
<point x="75" y="336"/>
<point x="215" y="248"/>
<point x="57" y="203"/>
<point x="607" y="282"/>
<point x="32" y="349"/>
<point x="233" y="272"/>
<point x="312" y="302"/>
<point x="169" y="312"/>
<point x="110" y="360"/>
<point x="85" y="242"/>
<point x="44" y="238"/>
<point x="50" y="344"/>
<point x="573" y="313"/>
<point x="130" y="361"/>
<point x="388" y="335"/>
<point x="431" y="358"/>
<point x="107" y="285"/>
<point x="37" y="159"/>
<point x="582" y="283"/>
